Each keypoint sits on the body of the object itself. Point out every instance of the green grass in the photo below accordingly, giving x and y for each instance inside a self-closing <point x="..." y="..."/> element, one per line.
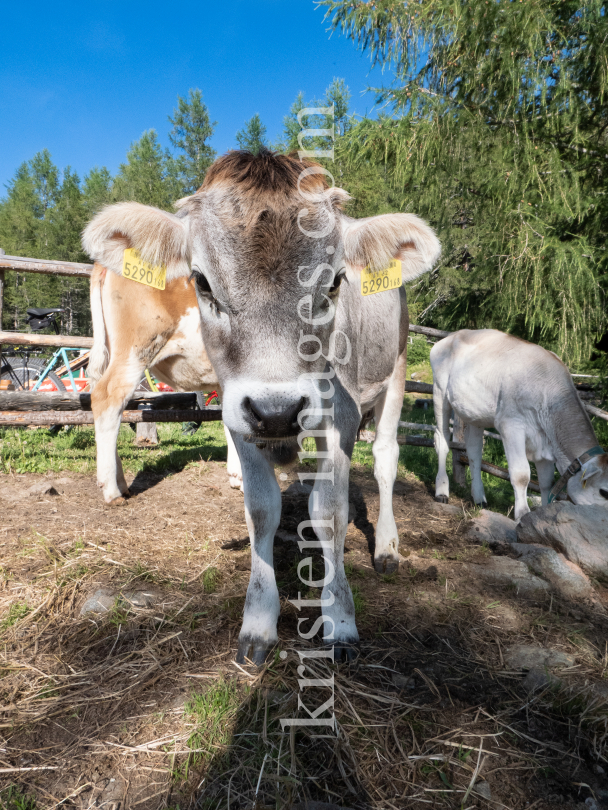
<point x="12" y="798"/>
<point x="18" y="610"/>
<point x="211" y="578"/>
<point x="37" y="451"/>
<point x="213" y="712"/>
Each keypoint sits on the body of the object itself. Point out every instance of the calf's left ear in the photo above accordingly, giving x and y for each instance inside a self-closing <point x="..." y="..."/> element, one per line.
<point x="375" y="241"/>
<point x="161" y="238"/>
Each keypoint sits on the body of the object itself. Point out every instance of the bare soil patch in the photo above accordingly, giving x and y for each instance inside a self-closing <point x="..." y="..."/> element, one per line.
<point x="97" y="709"/>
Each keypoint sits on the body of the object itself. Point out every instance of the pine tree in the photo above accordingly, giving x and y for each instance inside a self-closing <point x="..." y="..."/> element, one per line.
<point x="96" y="191"/>
<point x="252" y="137"/>
<point x="192" y="129"/>
<point x="142" y="178"/>
<point x="498" y="137"/>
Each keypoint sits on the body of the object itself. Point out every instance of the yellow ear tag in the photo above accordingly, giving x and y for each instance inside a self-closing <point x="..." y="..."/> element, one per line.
<point x="382" y="280"/>
<point x="137" y="270"/>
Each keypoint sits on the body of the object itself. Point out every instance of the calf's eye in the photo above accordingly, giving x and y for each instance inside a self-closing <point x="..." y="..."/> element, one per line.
<point x="336" y="284"/>
<point x="201" y="282"/>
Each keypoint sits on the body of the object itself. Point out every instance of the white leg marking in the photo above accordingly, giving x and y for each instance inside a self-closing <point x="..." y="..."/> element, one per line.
<point x="442" y="438"/>
<point x="233" y="464"/>
<point x="386" y="460"/>
<point x="514" y="441"/>
<point x="262" y="513"/>
<point x="330" y="501"/>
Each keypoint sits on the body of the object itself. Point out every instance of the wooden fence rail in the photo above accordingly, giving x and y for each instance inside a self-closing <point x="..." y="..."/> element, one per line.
<point x="74" y="409"/>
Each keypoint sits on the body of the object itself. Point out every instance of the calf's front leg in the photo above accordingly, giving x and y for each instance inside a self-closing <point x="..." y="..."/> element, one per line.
<point x="262" y="513"/>
<point x="442" y="443"/>
<point x="514" y="440"/>
<point x="108" y="399"/>
<point x="386" y="460"/>
<point x="328" y="508"/>
<point x="474" y="444"/>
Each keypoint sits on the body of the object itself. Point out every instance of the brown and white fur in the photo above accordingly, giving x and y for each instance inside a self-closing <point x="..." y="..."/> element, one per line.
<point x="491" y="379"/>
<point x="299" y="351"/>
<point x="137" y="327"/>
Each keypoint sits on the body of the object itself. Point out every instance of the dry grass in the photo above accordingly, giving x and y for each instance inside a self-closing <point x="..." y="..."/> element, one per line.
<point x="150" y="697"/>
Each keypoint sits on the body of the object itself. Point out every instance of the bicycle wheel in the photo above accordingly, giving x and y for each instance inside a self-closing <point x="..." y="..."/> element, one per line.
<point x="24" y="373"/>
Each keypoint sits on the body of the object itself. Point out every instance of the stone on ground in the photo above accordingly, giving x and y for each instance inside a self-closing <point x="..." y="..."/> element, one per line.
<point x="493" y="529"/>
<point x="510" y="573"/>
<point x="42" y="488"/>
<point x="580" y="533"/>
<point x="101" y="601"/>
<point x="528" y="656"/>
<point x="564" y="576"/>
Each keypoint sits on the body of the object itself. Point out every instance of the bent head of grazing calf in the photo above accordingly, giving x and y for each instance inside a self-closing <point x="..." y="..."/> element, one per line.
<point x="298" y="352"/>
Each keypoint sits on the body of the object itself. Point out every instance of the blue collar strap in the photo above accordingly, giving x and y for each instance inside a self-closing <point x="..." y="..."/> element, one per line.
<point x="573" y="469"/>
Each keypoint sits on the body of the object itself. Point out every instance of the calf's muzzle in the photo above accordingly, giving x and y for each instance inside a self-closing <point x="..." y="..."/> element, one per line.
<point x="273" y="417"/>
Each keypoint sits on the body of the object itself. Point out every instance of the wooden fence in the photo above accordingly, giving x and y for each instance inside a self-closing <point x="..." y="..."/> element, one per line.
<point x="74" y="409"/>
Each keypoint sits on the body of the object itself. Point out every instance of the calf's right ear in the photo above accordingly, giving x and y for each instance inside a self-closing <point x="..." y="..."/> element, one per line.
<point x="160" y="237"/>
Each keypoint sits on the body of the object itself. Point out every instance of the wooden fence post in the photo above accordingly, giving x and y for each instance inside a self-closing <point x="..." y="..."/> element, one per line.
<point x="459" y="470"/>
<point x="146" y="434"/>
<point x="2" y="253"/>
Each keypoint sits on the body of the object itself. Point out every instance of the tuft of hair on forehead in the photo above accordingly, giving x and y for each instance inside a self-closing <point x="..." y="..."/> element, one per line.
<point x="266" y="172"/>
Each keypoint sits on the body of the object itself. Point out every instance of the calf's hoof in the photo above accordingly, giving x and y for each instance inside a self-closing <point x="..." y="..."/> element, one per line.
<point x="235" y="482"/>
<point x="117" y="501"/>
<point x="252" y="651"/>
<point x="482" y="505"/>
<point x="386" y="564"/>
<point x="442" y="498"/>
<point x="345" y="652"/>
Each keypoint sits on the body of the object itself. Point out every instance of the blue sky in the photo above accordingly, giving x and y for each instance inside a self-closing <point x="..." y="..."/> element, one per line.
<point x="84" y="80"/>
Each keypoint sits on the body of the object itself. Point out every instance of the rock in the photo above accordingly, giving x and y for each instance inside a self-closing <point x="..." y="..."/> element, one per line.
<point x="507" y="572"/>
<point x="483" y="789"/>
<point x="402" y="681"/>
<point x="140" y="599"/>
<point x="492" y="528"/>
<point x="600" y="690"/>
<point x="538" y="679"/>
<point x="445" y="508"/>
<point x="42" y="488"/>
<point x="101" y="601"/>
<point x="527" y="656"/>
<point x="566" y="578"/>
<point x="580" y="533"/>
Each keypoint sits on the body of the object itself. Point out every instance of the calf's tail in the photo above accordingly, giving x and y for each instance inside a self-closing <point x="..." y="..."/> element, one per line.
<point x="100" y="356"/>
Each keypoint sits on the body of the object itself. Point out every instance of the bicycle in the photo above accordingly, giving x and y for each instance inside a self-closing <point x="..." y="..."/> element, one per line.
<point x="27" y="373"/>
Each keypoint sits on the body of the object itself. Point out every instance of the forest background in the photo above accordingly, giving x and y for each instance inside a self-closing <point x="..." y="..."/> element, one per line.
<point x="494" y="131"/>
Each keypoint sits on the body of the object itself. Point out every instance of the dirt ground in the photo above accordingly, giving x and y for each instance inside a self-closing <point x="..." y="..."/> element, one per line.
<point x="97" y="708"/>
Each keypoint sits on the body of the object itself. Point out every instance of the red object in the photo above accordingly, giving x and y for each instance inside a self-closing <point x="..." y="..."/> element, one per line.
<point x="212" y="395"/>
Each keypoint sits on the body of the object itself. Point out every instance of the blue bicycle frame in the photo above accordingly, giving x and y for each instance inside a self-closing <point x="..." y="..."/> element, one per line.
<point x="62" y="352"/>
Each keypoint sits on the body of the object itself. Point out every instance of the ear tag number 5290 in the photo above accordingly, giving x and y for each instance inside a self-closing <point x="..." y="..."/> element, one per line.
<point x="376" y="282"/>
<point x="137" y="270"/>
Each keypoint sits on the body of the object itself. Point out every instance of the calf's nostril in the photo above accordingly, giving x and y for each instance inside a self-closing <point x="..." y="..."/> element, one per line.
<point x="604" y="493"/>
<point x="252" y="412"/>
<point x="274" y="417"/>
